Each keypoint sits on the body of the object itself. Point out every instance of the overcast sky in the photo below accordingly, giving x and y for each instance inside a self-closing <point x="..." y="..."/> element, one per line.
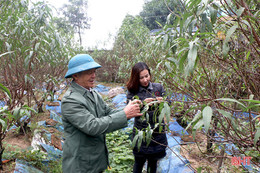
<point x="107" y="17"/>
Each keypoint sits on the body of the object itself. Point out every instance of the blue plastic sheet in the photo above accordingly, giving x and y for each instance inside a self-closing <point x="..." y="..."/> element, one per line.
<point x="55" y="117"/>
<point x="102" y="89"/>
<point x="2" y="104"/>
<point x="230" y="148"/>
<point x="12" y="127"/>
<point x="119" y="100"/>
<point x="42" y="123"/>
<point x="174" y="126"/>
<point x="53" y="153"/>
<point x="179" y="97"/>
<point x="173" y="164"/>
<point x="24" y="118"/>
<point x="24" y="167"/>
<point x="56" y="109"/>
<point x="173" y="161"/>
<point x="170" y="163"/>
<point x="173" y="140"/>
<point x="244" y="115"/>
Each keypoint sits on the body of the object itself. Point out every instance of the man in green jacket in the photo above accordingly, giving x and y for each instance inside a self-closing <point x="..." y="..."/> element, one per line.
<point x="87" y="119"/>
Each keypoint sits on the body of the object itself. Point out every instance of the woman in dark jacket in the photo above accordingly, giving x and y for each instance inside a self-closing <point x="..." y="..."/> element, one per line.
<point x="139" y="84"/>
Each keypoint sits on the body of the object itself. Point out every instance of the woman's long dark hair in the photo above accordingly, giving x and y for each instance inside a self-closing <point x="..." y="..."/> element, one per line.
<point x="134" y="81"/>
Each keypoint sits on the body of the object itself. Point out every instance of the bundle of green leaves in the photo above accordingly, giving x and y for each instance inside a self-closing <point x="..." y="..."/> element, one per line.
<point x="161" y="110"/>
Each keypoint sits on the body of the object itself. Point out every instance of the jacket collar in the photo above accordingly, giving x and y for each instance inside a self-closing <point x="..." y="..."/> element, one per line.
<point x="149" y="88"/>
<point x="83" y="91"/>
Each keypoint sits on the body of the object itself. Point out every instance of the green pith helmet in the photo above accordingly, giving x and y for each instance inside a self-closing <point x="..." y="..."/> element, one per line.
<point x="79" y="63"/>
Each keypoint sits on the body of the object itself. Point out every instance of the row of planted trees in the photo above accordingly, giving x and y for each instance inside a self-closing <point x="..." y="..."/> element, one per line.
<point x="34" y="54"/>
<point x="33" y="51"/>
<point x="209" y="52"/>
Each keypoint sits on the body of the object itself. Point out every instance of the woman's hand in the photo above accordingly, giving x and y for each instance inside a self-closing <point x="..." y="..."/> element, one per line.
<point x="148" y="100"/>
<point x="160" y="99"/>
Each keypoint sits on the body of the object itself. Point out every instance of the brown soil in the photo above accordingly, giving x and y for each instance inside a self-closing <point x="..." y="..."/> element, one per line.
<point x="196" y="154"/>
<point x="23" y="141"/>
<point x="1" y="95"/>
<point x="17" y="141"/>
<point x="8" y="167"/>
<point x="190" y="151"/>
<point x="14" y="141"/>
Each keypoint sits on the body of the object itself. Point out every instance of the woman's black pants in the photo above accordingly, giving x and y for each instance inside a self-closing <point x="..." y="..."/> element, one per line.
<point x="139" y="164"/>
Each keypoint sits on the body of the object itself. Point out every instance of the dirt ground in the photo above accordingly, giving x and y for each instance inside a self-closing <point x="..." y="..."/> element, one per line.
<point x="196" y="154"/>
<point x="14" y="141"/>
<point x="196" y="157"/>
<point x="189" y="151"/>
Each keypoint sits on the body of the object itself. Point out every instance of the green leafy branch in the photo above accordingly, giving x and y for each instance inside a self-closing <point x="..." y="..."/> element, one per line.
<point x="162" y="111"/>
<point x="9" y="117"/>
<point x="217" y="118"/>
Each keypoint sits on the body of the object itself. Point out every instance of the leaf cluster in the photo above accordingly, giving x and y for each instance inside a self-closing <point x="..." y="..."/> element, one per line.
<point x="32" y="51"/>
<point x="121" y="157"/>
<point x="209" y="51"/>
<point x="161" y="111"/>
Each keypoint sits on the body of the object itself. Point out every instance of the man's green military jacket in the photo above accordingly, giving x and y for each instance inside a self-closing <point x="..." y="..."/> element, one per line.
<point x="86" y="119"/>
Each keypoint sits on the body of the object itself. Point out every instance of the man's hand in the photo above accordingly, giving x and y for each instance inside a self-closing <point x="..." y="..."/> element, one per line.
<point x="133" y="109"/>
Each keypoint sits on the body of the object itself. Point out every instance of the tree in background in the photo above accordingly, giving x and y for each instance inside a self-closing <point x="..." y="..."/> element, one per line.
<point x="212" y="58"/>
<point x="63" y="26"/>
<point x="208" y="57"/>
<point x="34" y="54"/>
<point x="75" y="13"/>
<point x="155" y="12"/>
<point x="129" y="42"/>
